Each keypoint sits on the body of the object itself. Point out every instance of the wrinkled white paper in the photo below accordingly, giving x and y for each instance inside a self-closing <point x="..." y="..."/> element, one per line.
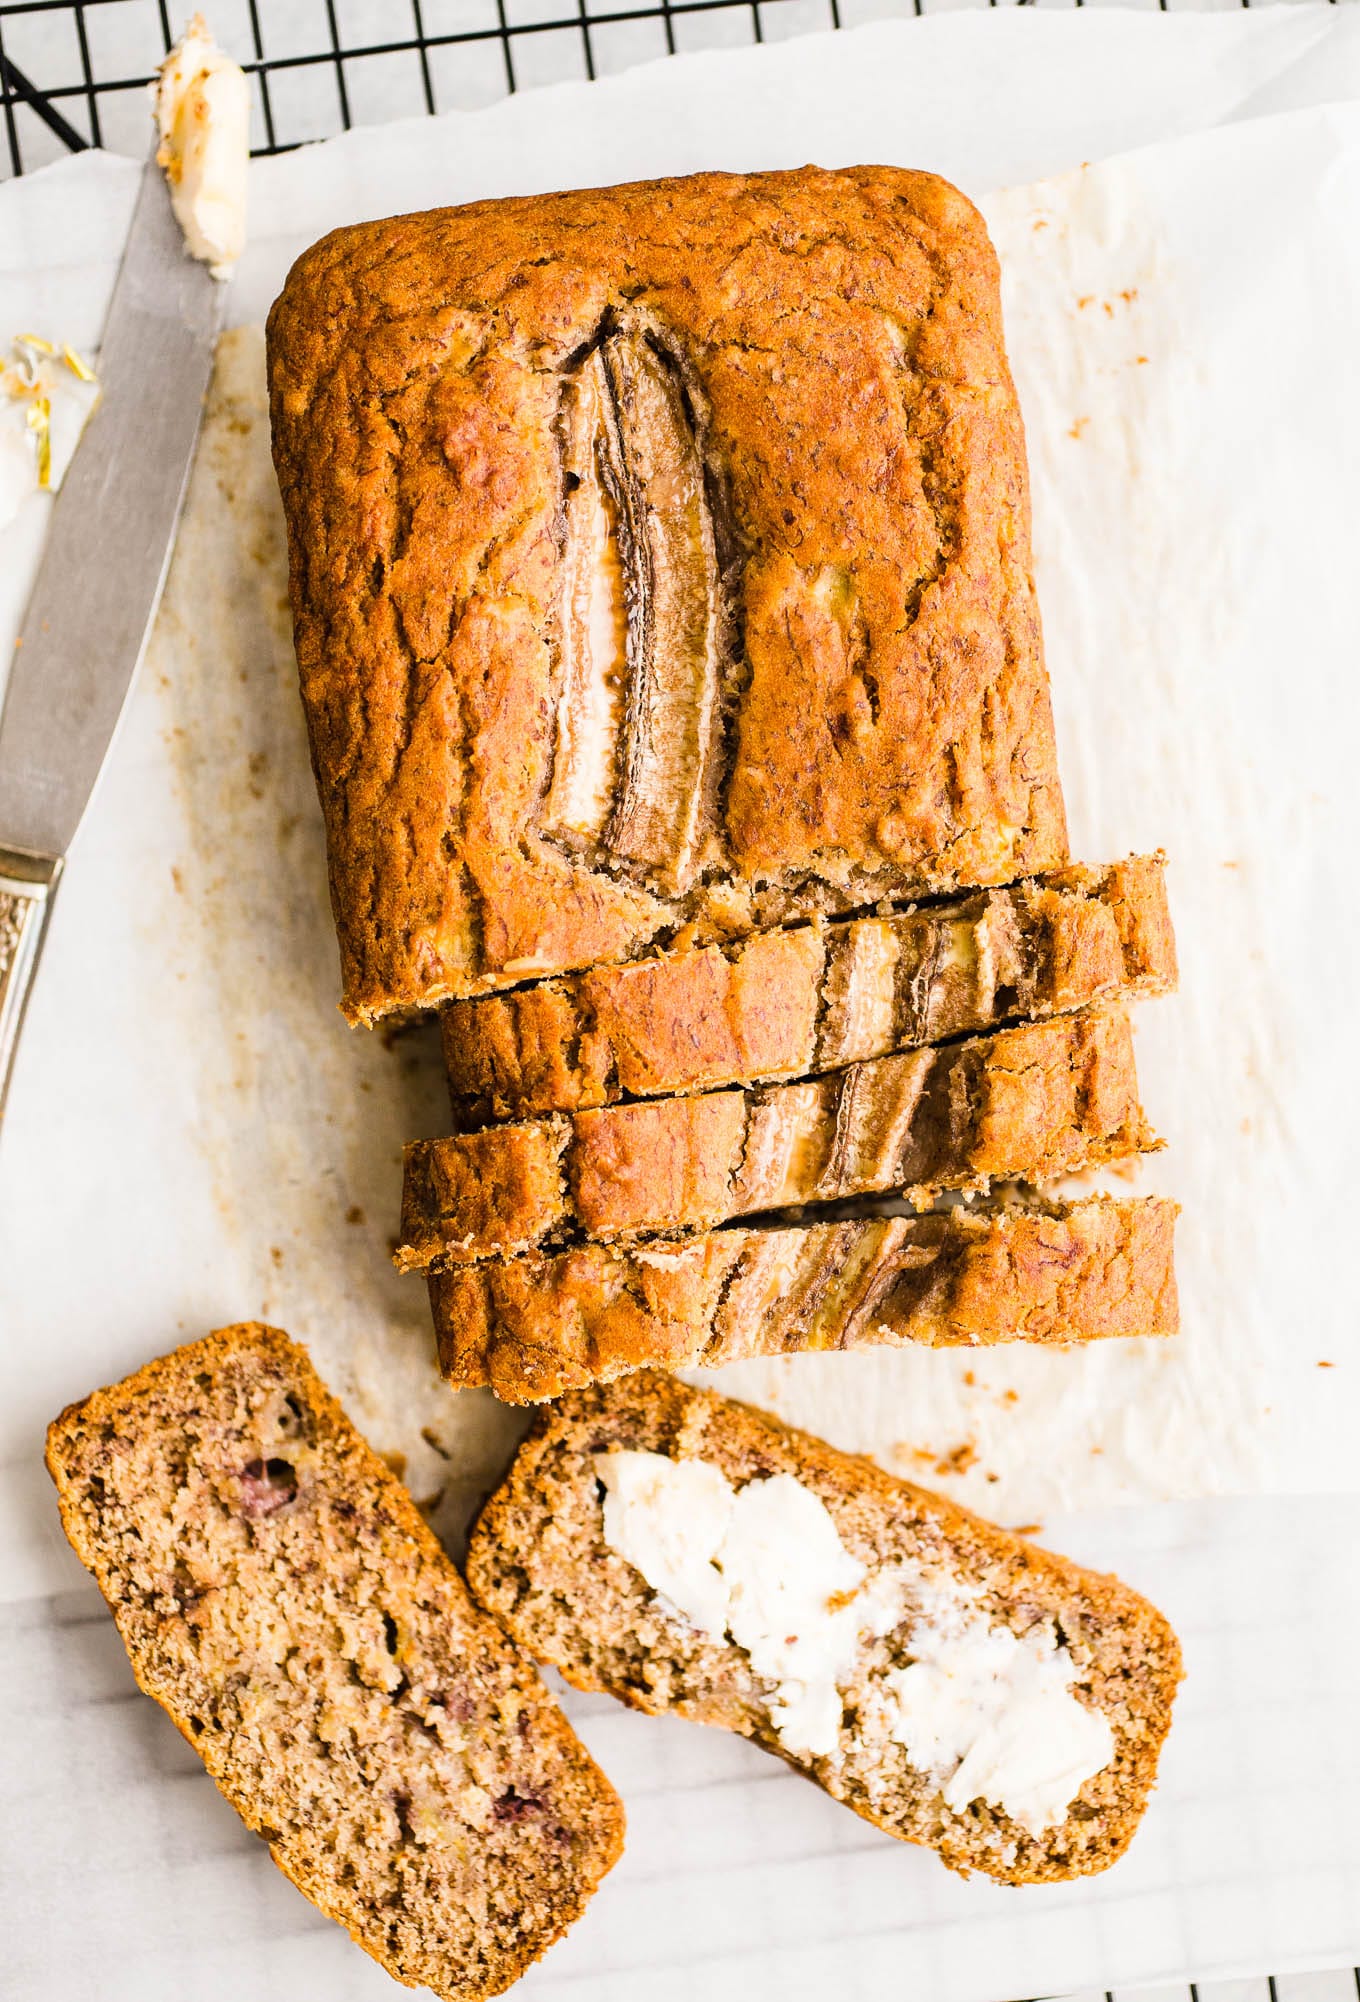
<point x="193" y="1136"/>
<point x="1179" y="322"/>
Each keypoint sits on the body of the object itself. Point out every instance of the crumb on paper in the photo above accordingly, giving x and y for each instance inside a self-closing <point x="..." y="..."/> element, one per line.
<point x="355" y="1214"/>
<point x="276" y="1253"/>
<point x="1027" y="1529"/>
<point x="1077" y="426"/>
<point x="903" y="1450"/>
<point x="958" y="1460"/>
<point x="1125" y="296"/>
<point x="202" y="112"/>
<point x="970" y="1377"/>
<point x="47" y="393"/>
<point x="1326" y="1365"/>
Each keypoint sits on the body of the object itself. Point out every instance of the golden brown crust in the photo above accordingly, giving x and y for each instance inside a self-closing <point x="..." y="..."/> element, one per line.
<point x="406" y="1725"/>
<point x="871" y="716"/>
<point x="1039" y="1100"/>
<point x="792" y="1003"/>
<point x="685" y="1021"/>
<point x="539" y="1561"/>
<point x="533" y="1327"/>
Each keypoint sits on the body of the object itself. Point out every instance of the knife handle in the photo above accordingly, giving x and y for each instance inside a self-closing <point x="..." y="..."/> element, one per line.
<point x="28" y="884"/>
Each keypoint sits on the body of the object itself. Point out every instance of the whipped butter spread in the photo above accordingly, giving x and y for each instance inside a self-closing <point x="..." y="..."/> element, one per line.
<point x="995" y="1712"/>
<point x="988" y="1712"/>
<point x="762" y="1564"/>
<point x="203" y="116"/>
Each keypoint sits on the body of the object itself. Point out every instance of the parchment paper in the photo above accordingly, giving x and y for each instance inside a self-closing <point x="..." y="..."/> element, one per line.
<point x="194" y="1136"/>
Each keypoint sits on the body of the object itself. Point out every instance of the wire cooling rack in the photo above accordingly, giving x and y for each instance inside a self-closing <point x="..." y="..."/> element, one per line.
<point x="75" y="75"/>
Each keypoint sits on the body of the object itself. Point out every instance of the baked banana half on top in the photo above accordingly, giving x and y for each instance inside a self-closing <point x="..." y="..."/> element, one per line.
<point x="660" y="565"/>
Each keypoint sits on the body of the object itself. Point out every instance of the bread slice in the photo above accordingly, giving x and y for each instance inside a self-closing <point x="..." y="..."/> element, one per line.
<point x="945" y="1592"/>
<point x="659" y="557"/>
<point x="535" y="1326"/>
<point x="814" y="998"/>
<point x="280" y="1596"/>
<point x="1040" y="1100"/>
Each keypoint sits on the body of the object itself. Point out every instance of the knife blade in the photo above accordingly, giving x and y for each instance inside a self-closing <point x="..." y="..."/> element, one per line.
<point x="100" y="578"/>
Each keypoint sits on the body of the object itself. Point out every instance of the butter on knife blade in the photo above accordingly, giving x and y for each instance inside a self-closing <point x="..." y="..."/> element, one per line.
<point x="202" y="110"/>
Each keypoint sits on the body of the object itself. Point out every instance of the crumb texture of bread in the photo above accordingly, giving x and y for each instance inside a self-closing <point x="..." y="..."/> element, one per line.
<point x="811" y="998"/>
<point x="1035" y="1101"/>
<point x="280" y="1596"/>
<point x="660" y="564"/>
<point x="540" y="1562"/>
<point x="533" y="1327"/>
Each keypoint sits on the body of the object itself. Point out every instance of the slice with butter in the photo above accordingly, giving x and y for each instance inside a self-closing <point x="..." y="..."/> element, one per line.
<point x="944" y="1679"/>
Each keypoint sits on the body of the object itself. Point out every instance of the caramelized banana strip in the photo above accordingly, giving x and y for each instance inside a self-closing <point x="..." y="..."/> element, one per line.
<point x="652" y="466"/>
<point x="591" y="625"/>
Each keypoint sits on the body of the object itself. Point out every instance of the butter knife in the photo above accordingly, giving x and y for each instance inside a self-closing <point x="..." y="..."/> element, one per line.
<point x="100" y="578"/>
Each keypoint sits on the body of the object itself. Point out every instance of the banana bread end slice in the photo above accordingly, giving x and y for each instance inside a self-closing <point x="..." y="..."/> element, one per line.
<point x="948" y="1682"/>
<point x="280" y="1596"/>
<point x="535" y="1326"/>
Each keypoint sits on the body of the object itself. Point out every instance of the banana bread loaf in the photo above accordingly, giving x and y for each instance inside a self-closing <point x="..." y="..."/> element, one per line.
<point x="281" y="1597"/>
<point x="949" y="1682"/>
<point x="811" y="998"/>
<point x="532" y="1327"/>
<point x="660" y="565"/>
<point x="1040" y="1100"/>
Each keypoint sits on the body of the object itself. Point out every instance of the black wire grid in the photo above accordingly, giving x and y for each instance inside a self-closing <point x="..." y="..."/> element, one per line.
<point x="73" y="76"/>
<point x="70" y="107"/>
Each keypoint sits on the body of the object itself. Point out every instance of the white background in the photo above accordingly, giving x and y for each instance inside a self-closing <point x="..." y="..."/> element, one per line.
<point x="191" y="1127"/>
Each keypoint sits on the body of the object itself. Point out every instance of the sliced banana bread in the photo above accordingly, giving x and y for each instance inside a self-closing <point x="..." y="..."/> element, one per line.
<point x="280" y="1596"/>
<point x="814" y="998"/>
<point x="535" y="1326"/>
<point x="949" y="1682"/>
<point x="1040" y="1100"/>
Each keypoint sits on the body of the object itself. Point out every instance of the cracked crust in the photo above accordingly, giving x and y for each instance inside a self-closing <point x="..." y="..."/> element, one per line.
<point x="538" y="1560"/>
<point x="1044" y="1099"/>
<point x="533" y="1327"/>
<point x="833" y="353"/>
<point x="796" y="1002"/>
<point x="281" y="1597"/>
